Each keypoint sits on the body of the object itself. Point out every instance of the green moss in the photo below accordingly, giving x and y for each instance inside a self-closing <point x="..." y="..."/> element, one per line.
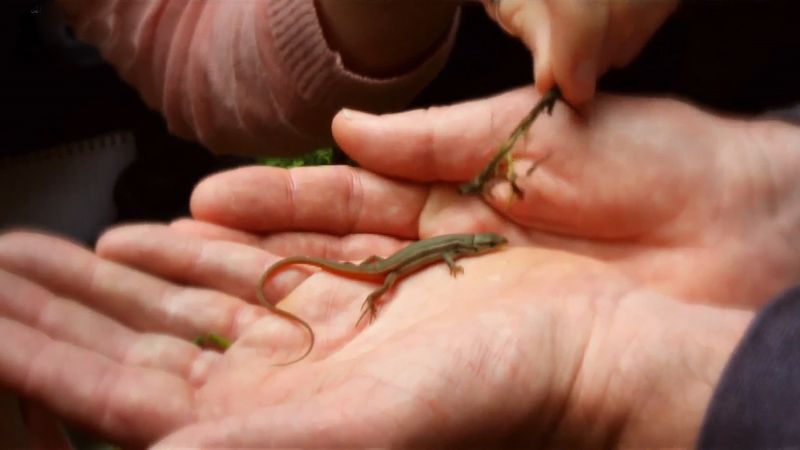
<point x="320" y="157"/>
<point x="213" y="340"/>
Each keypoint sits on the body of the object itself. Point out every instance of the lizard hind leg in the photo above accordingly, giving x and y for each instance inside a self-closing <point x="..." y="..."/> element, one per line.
<point x="511" y="175"/>
<point x="455" y="269"/>
<point x="368" y="307"/>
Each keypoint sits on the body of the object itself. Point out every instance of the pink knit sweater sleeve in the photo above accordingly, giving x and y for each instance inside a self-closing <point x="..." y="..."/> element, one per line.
<point x="242" y="77"/>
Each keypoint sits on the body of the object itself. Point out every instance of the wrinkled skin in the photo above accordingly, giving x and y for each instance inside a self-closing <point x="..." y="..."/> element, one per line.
<point x="675" y="197"/>
<point x="644" y="209"/>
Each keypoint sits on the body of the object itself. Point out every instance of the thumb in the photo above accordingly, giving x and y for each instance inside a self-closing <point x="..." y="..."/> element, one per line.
<point x="448" y="143"/>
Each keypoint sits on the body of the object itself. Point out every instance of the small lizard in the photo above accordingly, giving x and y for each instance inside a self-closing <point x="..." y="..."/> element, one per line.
<point x="388" y="270"/>
<point x="475" y="186"/>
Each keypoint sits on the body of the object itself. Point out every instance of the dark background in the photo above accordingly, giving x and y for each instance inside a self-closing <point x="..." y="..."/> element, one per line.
<point x="735" y="56"/>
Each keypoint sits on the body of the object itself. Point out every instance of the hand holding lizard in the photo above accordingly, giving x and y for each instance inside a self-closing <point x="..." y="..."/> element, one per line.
<point x="520" y="350"/>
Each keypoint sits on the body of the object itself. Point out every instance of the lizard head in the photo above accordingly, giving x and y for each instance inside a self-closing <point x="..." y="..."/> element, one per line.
<point x="488" y="241"/>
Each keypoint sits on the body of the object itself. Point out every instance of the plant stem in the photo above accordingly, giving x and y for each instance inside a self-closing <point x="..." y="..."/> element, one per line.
<point x="546" y="103"/>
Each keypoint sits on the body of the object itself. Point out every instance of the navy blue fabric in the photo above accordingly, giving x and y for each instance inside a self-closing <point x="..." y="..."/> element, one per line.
<point x="757" y="402"/>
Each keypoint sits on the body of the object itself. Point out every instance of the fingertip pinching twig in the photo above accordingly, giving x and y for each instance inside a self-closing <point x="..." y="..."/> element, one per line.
<point x="476" y="185"/>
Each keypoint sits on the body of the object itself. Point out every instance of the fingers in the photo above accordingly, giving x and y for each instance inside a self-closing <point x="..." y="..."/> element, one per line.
<point x="127" y="404"/>
<point x="450" y="143"/>
<point x="575" y="41"/>
<point x="70" y="322"/>
<point x="577" y="38"/>
<point x="589" y="185"/>
<point x="141" y="301"/>
<point x="236" y="269"/>
<point x="530" y="21"/>
<point x="337" y="200"/>
<point x="156" y="249"/>
<point x="228" y="266"/>
<point x="212" y="231"/>
<point x="353" y="247"/>
<point x="566" y="38"/>
<point x="539" y="41"/>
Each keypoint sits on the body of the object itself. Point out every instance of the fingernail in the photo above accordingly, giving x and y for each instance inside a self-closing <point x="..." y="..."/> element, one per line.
<point x="352" y="114"/>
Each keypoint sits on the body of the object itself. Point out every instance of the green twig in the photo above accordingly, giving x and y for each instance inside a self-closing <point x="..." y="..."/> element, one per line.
<point x="476" y="185"/>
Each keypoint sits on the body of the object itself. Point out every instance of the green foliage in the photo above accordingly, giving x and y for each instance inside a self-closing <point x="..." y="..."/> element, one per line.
<point x="212" y="340"/>
<point x="320" y="157"/>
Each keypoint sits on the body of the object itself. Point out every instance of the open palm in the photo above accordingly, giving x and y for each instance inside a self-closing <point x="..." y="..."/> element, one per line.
<point x="492" y="357"/>
<point x="497" y="356"/>
<point x="528" y="346"/>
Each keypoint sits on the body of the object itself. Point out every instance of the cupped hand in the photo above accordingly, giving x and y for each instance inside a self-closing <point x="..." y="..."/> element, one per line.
<point x="527" y="347"/>
<point x="574" y="42"/>
<point x="695" y="205"/>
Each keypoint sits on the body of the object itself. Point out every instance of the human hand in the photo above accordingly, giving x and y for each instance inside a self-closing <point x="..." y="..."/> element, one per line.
<point x="697" y="206"/>
<point x="528" y="347"/>
<point x="574" y="42"/>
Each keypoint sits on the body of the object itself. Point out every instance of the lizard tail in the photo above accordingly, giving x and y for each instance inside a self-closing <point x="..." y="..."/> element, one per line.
<point x="286" y="315"/>
<point x="303" y="324"/>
